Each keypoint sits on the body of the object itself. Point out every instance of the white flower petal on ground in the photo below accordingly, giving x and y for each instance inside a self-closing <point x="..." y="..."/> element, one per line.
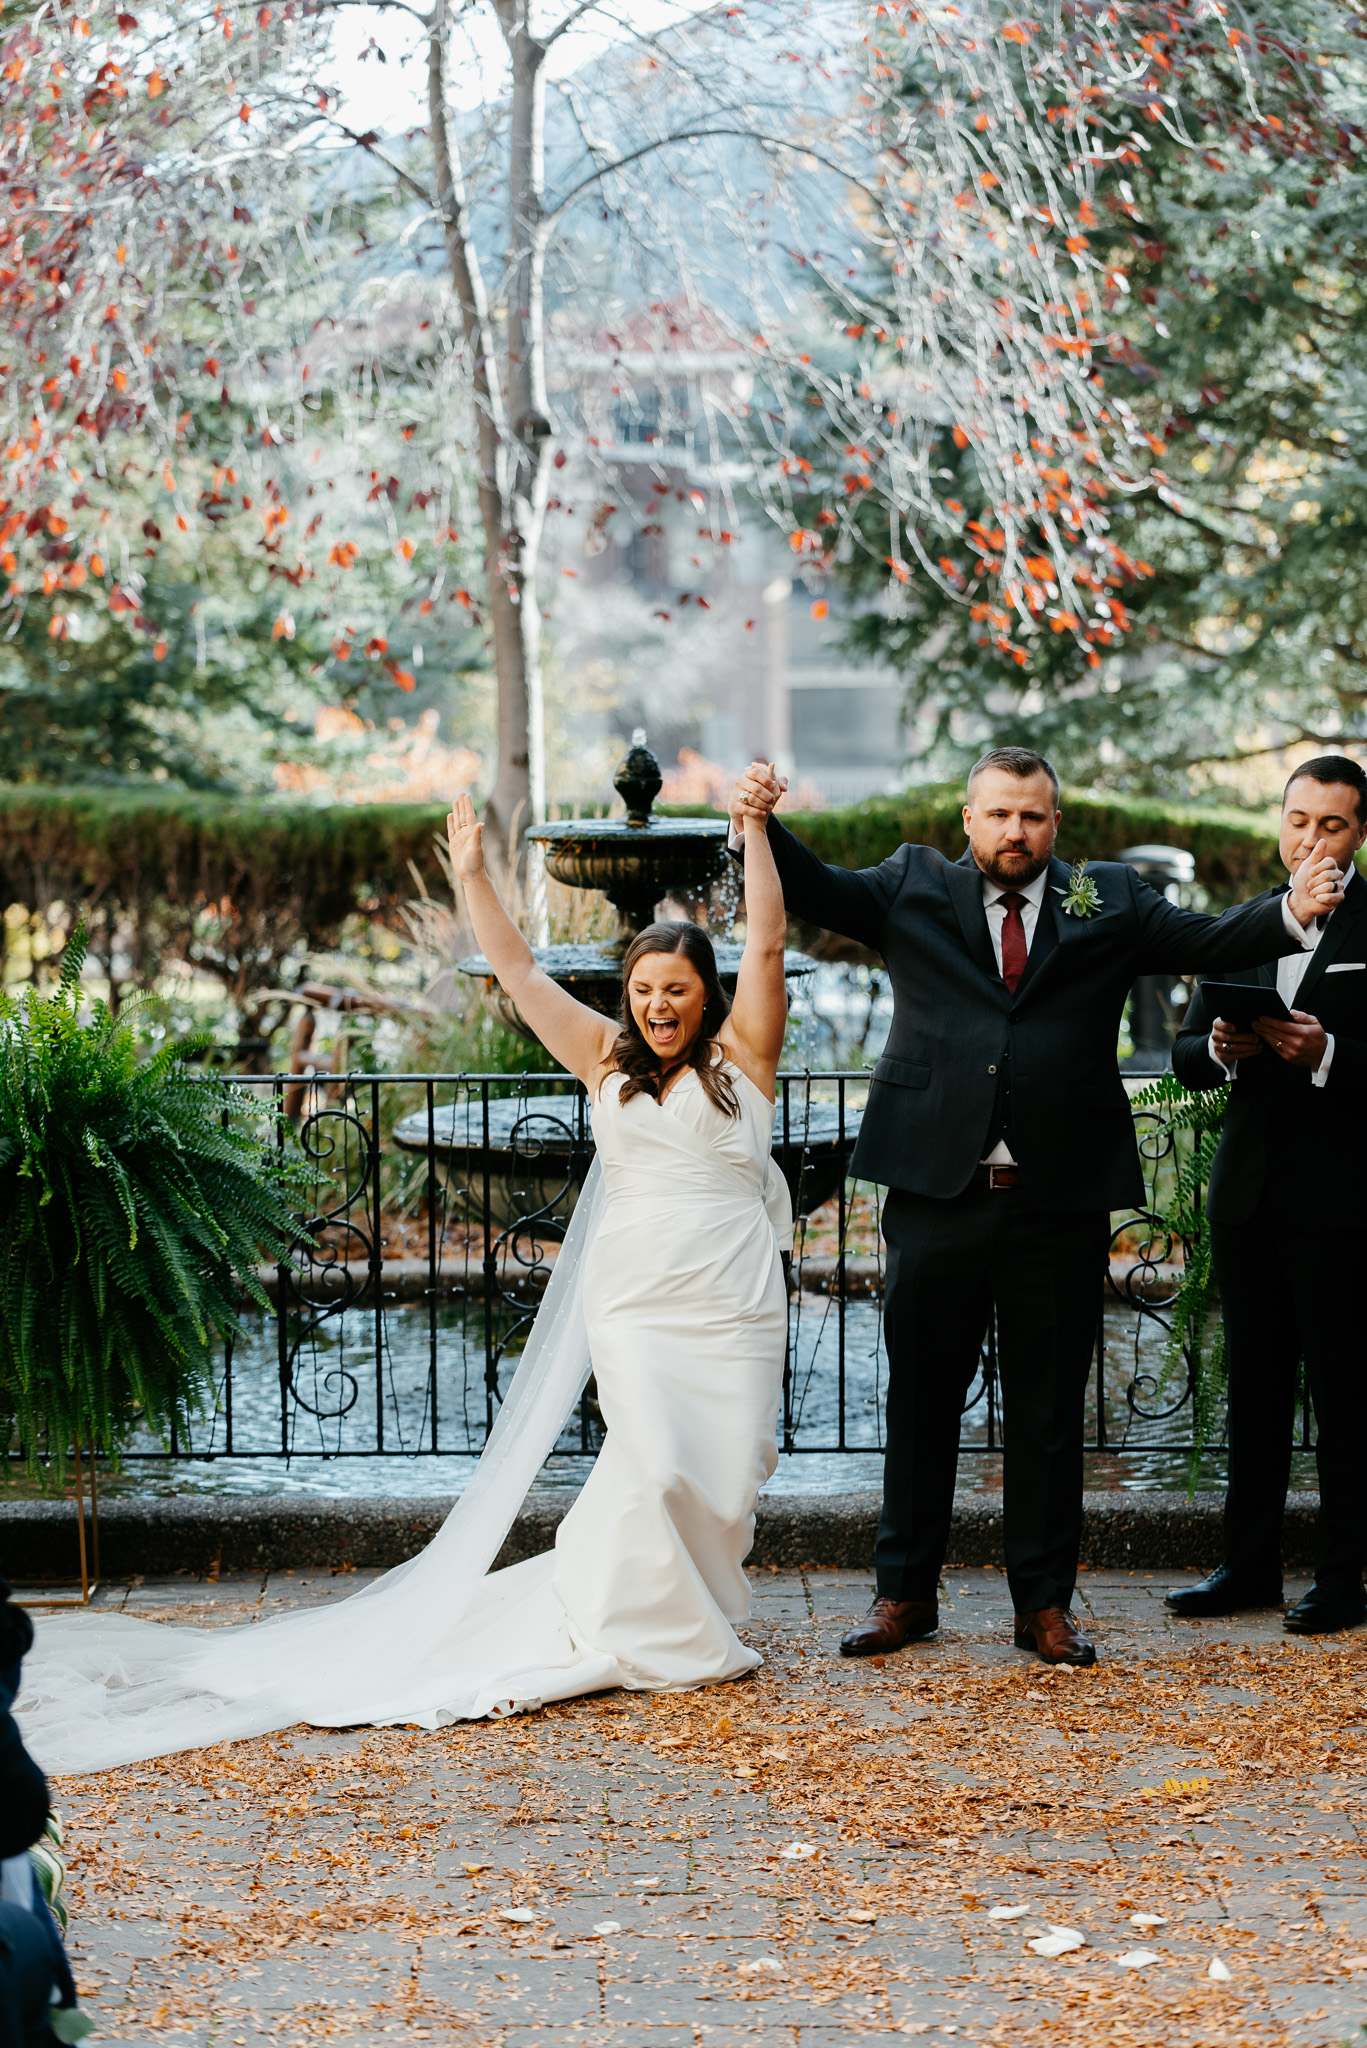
<point x="1148" y="1920"/>
<point x="522" y="1914"/>
<point x="798" y="1852"/>
<point x="607" y="1927"/>
<point x="1057" y="1942"/>
<point x="1138" y="1958"/>
<point x="1007" y="1912"/>
<point x="761" y="1966"/>
<point x="1221" y="1972"/>
<point x="862" y="1914"/>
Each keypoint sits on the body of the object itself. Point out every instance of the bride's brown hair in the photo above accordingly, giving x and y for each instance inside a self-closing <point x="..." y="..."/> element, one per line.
<point x="638" y="1060"/>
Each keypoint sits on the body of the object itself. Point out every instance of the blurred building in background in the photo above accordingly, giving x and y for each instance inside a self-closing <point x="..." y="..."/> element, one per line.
<point x="666" y="616"/>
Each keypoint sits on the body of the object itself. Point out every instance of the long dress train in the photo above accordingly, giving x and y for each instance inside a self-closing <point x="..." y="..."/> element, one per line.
<point x="670" y="1278"/>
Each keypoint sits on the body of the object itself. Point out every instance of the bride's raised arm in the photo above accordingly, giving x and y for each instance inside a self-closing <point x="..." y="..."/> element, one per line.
<point x="753" y="1033"/>
<point x="580" y="1038"/>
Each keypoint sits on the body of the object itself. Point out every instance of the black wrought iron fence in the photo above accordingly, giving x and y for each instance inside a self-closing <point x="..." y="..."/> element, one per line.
<point x="439" y="1202"/>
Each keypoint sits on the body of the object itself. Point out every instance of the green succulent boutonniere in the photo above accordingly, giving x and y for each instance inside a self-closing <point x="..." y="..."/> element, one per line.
<point x="1081" y="898"/>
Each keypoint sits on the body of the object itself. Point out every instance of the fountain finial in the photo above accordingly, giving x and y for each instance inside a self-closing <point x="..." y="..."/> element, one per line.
<point x="638" y="780"/>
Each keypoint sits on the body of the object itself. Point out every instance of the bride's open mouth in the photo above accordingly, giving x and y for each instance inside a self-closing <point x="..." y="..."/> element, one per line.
<point x="663" y="1030"/>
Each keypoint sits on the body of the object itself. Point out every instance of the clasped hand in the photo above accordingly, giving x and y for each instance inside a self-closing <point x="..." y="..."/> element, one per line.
<point x="1301" y="1043"/>
<point x="757" y="790"/>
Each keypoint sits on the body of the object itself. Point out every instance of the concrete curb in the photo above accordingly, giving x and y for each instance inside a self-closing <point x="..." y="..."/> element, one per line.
<point x="196" y="1533"/>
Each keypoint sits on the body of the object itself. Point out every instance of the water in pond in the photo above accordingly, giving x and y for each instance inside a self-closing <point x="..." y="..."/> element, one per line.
<point x="345" y="1406"/>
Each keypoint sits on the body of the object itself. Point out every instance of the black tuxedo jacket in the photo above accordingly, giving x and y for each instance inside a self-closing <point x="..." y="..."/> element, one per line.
<point x="955" y="1021"/>
<point x="1279" y="1127"/>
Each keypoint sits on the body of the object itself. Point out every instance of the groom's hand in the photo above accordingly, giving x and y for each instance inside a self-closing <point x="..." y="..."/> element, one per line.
<point x="1316" y="886"/>
<point x="757" y="791"/>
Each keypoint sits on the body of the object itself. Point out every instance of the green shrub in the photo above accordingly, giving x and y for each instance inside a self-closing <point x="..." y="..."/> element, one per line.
<point x="233" y="887"/>
<point x="133" y="1213"/>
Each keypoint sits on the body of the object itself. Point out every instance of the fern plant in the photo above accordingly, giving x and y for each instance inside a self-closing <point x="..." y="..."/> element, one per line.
<point x="135" y="1203"/>
<point x="1190" y="1337"/>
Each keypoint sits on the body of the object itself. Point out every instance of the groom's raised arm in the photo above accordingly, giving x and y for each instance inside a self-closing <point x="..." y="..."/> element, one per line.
<point x="851" y="901"/>
<point x="1177" y="941"/>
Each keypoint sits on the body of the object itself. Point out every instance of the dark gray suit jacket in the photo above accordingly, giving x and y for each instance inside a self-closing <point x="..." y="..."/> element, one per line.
<point x="955" y="1021"/>
<point x="1279" y="1127"/>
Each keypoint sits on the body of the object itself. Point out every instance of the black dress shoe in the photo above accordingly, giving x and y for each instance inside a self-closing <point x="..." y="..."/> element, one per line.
<point x="1327" y="1607"/>
<point x="1224" y="1592"/>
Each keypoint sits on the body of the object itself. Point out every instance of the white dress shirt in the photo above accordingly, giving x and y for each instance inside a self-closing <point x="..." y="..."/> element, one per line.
<point x="1290" y="974"/>
<point x="1033" y="895"/>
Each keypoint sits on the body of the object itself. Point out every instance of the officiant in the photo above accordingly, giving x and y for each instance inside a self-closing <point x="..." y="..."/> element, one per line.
<point x="1283" y="1211"/>
<point x="998" y="1123"/>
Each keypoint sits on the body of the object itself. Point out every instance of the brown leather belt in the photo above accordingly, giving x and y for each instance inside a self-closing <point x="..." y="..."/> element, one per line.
<point x="996" y="1177"/>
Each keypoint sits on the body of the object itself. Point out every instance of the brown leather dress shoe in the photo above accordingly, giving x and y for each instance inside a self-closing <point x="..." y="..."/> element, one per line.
<point x="890" y="1623"/>
<point x="1053" y="1634"/>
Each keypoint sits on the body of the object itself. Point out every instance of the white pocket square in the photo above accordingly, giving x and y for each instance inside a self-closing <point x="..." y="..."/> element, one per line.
<point x="1347" y="967"/>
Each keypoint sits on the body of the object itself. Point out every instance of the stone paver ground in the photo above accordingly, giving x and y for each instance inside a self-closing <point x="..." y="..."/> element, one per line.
<point x="805" y="1859"/>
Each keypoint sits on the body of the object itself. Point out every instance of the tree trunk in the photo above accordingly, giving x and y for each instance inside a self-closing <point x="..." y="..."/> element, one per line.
<point x="518" y="796"/>
<point x="527" y="392"/>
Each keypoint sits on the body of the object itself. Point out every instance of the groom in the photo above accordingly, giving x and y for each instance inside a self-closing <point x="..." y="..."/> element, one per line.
<point x="998" y="1123"/>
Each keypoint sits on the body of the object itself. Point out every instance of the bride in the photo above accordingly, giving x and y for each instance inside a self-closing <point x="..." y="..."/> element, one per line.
<point x="669" y="1283"/>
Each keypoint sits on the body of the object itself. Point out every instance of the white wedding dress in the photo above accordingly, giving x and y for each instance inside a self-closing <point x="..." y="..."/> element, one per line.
<point x="670" y="1278"/>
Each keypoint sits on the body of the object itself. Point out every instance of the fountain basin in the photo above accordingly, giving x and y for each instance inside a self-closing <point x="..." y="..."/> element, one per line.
<point x="633" y="864"/>
<point x="540" y="1150"/>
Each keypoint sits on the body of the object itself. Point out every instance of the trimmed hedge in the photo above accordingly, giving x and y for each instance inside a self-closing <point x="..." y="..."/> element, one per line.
<point x="235" y="887"/>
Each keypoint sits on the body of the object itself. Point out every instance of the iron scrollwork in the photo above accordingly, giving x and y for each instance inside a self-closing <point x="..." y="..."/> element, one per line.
<point x="333" y="1257"/>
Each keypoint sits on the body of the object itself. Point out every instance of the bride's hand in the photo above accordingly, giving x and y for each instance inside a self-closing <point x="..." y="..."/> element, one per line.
<point x="465" y="839"/>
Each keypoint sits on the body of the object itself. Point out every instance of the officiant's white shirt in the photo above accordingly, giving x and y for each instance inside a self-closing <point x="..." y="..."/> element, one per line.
<point x="1291" y="970"/>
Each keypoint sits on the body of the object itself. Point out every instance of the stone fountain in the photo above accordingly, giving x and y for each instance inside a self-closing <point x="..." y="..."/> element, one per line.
<point x="536" y="1153"/>
<point x="634" y="861"/>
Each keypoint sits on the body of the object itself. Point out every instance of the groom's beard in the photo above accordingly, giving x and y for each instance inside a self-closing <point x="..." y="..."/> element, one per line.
<point x="1010" y="870"/>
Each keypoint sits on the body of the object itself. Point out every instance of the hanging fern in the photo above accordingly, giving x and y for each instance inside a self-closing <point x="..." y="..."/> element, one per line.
<point x="134" y="1208"/>
<point x="1191" y="1337"/>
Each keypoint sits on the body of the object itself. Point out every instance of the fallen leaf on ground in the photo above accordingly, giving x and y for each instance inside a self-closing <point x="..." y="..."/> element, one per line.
<point x="761" y="1966"/>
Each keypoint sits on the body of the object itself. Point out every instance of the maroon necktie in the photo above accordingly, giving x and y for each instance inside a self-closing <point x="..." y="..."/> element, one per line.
<point x="1013" y="939"/>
